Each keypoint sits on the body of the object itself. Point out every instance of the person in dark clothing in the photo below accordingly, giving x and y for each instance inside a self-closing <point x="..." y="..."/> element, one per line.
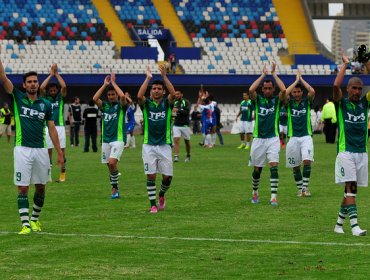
<point x="181" y="110"/>
<point x="90" y="117"/>
<point x="5" y="121"/>
<point x="196" y="117"/>
<point x="219" y="125"/>
<point x="330" y="121"/>
<point x="74" y="115"/>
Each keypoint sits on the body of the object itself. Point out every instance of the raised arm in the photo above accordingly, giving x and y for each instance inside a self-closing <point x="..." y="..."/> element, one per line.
<point x="310" y="90"/>
<point x="169" y="86"/>
<point x="7" y="84"/>
<point x="62" y="84"/>
<point x="45" y="83"/>
<point x="279" y="82"/>
<point x="292" y="86"/>
<point x="96" y="97"/>
<point x="120" y="93"/>
<point x="256" y="83"/>
<point x="144" y="86"/>
<point x="337" y="92"/>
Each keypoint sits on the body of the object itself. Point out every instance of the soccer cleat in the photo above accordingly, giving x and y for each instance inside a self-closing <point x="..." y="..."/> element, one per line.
<point x="115" y="195"/>
<point x="356" y="231"/>
<point x="187" y="159"/>
<point x="176" y="159"/>
<point x="25" y="230"/>
<point x="306" y="193"/>
<point x="162" y="203"/>
<point x="274" y="202"/>
<point x="255" y="199"/>
<point x="338" y="229"/>
<point x="35" y="225"/>
<point x="62" y="177"/>
<point x="153" y="209"/>
<point x="247" y="148"/>
<point x="242" y="146"/>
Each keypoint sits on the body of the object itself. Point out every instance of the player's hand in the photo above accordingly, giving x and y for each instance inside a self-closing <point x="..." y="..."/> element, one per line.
<point x="148" y="72"/>
<point x="54" y="69"/>
<point x="299" y="74"/>
<point x="163" y="70"/>
<point x="107" y="80"/>
<point x="273" y="67"/>
<point x="60" y="160"/>
<point x="345" y="58"/>
<point x="113" y="78"/>
<point x="264" y="70"/>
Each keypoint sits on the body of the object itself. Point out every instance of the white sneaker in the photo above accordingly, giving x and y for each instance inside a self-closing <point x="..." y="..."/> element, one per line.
<point x="299" y="193"/>
<point x="306" y="193"/>
<point x="356" y="231"/>
<point x="338" y="229"/>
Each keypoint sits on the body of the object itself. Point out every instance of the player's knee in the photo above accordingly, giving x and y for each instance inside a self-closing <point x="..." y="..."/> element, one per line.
<point x="257" y="173"/>
<point x="167" y="180"/>
<point x="150" y="177"/>
<point x="274" y="171"/>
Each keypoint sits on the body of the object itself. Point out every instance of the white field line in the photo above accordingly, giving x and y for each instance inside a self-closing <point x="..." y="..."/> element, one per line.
<point x="221" y="240"/>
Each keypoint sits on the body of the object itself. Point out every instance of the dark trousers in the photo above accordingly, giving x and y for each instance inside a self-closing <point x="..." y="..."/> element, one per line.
<point x="74" y="137"/>
<point x="219" y="134"/>
<point x="330" y="130"/>
<point x="92" y="133"/>
<point x="196" y="127"/>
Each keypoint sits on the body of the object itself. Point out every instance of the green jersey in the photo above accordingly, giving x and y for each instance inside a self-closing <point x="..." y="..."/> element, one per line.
<point x="113" y="122"/>
<point x="57" y="103"/>
<point x="246" y="108"/>
<point x="30" y="120"/>
<point x="299" y="118"/>
<point x="283" y="119"/>
<point x="352" y="125"/>
<point x="267" y="117"/>
<point x="157" y="122"/>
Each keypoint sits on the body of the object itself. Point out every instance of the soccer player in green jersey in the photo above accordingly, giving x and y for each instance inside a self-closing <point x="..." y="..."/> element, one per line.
<point x="157" y="152"/>
<point x="351" y="166"/>
<point x="113" y="127"/>
<point x="31" y="161"/>
<point x="266" y="144"/>
<point x="300" y="146"/>
<point x="56" y="94"/>
<point x="246" y="122"/>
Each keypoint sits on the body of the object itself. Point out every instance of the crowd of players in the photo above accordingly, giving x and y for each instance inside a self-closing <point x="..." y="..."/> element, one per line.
<point x="40" y="107"/>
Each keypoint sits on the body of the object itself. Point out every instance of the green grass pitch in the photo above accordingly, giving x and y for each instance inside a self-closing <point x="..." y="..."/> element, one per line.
<point x="209" y="230"/>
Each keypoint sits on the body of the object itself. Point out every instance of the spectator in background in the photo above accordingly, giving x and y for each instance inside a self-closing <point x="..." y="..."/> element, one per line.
<point x="75" y="119"/>
<point x="319" y="123"/>
<point x="219" y="125"/>
<point x="90" y="117"/>
<point x="130" y="122"/>
<point x="196" y="117"/>
<point x="5" y="121"/>
<point x="172" y="59"/>
<point x="330" y="121"/>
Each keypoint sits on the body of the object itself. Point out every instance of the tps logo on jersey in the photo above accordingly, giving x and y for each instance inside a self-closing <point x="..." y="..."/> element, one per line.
<point x="353" y="118"/>
<point x="31" y="113"/>
<point x="266" y="111"/>
<point x="297" y="113"/>
<point x="157" y="116"/>
<point x="109" y="117"/>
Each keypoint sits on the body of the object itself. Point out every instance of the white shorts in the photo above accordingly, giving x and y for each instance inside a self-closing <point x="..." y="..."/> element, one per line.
<point x="246" y="127"/>
<point x="157" y="159"/>
<point x="351" y="167"/>
<point x="61" y="135"/>
<point x="264" y="150"/>
<point x="283" y="129"/>
<point x="31" y="166"/>
<point x="299" y="149"/>
<point x="111" y="150"/>
<point x="5" y="128"/>
<point x="181" y="131"/>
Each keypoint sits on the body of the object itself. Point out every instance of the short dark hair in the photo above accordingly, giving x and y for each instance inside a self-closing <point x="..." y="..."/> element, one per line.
<point x="29" y="74"/>
<point x="299" y="86"/>
<point x="158" y="82"/>
<point x="50" y="85"/>
<point x="91" y="102"/>
<point x="269" y="81"/>
<point x="110" y="87"/>
<point x="75" y="98"/>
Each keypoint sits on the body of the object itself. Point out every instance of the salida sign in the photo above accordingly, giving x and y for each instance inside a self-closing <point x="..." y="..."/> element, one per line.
<point x="152" y="33"/>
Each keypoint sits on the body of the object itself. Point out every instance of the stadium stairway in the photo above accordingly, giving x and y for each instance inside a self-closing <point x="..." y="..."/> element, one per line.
<point x="296" y="28"/>
<point x="171" y="21"/>
<point x="119" y="33"/>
